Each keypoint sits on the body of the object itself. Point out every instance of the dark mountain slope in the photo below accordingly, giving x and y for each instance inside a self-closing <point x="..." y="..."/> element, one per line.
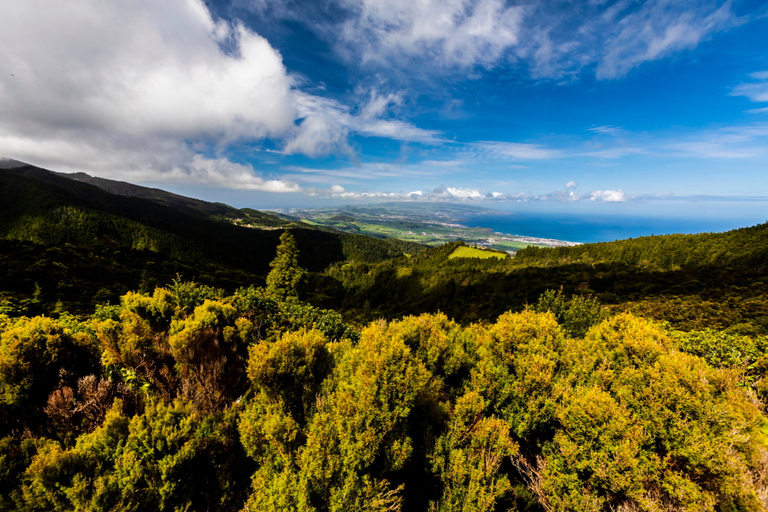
<point x="217" y="211"/>
<point x="45" y="207"/>
<point x="122" y="188"/>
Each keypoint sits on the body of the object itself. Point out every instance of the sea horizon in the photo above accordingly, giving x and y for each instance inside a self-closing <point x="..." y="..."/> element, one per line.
<point x="592" y="228"/>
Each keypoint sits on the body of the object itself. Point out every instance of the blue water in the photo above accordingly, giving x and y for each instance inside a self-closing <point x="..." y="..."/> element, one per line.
<point x="597" y="228"/>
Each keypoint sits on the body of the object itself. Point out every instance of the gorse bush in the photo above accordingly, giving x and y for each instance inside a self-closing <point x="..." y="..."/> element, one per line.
<point x="191" y="399"/>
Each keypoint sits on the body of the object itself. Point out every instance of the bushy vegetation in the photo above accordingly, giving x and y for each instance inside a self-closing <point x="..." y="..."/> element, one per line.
<point x="188" y="399"/>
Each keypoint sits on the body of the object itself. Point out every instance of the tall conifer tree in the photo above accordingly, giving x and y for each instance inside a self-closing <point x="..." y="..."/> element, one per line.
<point x="286" y="274"/>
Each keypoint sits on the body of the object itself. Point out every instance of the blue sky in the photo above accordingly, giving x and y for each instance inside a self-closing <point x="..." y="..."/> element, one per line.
<point x="615" y="107"/>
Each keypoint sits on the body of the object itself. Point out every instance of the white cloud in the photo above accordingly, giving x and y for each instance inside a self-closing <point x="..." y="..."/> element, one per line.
<point x="137" y="89"/>
<point x="158" y="160"/>
<point x="608" y="196"/>
<point x="464" y="193"/>
<point x="140" y="67"/>
<point x="716" y="149"/>
<point x="606" y="130"/>
<point x="223" y="173"/>
<point x="365" y="172"/>
<point x="571" y="184"/>
<point x="448" y="32"/>
<point x="728" y="142"/>
<point x="556" y="38"/>
<point x="323" y="130"/>
<point x="659" y="28"/>
<point x="326" y="125"/>
<point x="613" y="153"/>
<point x="440" y="193"/>
<point x="396" y="130"/>
<point x="755" y="91"/>
<point x="127" y="88"/>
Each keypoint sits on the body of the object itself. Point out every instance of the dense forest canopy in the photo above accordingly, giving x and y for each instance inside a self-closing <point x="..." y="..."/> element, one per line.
<point x="145" y="367"/>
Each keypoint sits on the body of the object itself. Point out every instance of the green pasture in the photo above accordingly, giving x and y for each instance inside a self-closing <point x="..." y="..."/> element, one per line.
<point x="471" y="252"/>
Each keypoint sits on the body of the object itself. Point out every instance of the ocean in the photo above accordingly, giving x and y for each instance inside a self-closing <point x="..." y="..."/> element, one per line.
<point x="598" y="228"/>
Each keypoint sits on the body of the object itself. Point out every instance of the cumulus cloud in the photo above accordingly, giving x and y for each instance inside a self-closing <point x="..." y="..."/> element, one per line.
<point x="120" y="88"/>
<point x="138" y="67"/>
<point x="323" y="130"/>
<point x="463" y="194"/>
<point x="608" y="196"/>
<point x="220" y="172"/>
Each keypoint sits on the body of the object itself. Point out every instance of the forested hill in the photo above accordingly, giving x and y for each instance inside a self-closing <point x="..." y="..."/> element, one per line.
<point x="139" y="237"/>
<point x="745" y="246"/>
<point x="717" y="280"/>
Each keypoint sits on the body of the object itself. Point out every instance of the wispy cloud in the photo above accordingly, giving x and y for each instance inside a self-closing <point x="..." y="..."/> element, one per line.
<point x="614" y="153"/>
<point x="737" y="142"/>
<point x="326" y="125"/>
<point x="756" y="91"/>
<point x="658" y="29"/>
<point x="451" y="32"/>
<point x="554" y="38"/>
<point x="514" y="150"/>
<point x="606" y="130"/>
<point x="715" y="149"/>
<point x="728" y="142"/>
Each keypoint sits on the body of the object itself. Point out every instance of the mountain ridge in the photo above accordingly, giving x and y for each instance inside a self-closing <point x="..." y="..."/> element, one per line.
<point x="37" y="210"/>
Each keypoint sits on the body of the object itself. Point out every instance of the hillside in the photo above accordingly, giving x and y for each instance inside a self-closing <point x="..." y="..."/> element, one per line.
<point x="54" y="210"/>
<point x="693" y="281"/>
<point x="745" y="246"/>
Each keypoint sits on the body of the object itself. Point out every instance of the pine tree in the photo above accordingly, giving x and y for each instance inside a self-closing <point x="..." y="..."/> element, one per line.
<point x="286" y="275"/>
